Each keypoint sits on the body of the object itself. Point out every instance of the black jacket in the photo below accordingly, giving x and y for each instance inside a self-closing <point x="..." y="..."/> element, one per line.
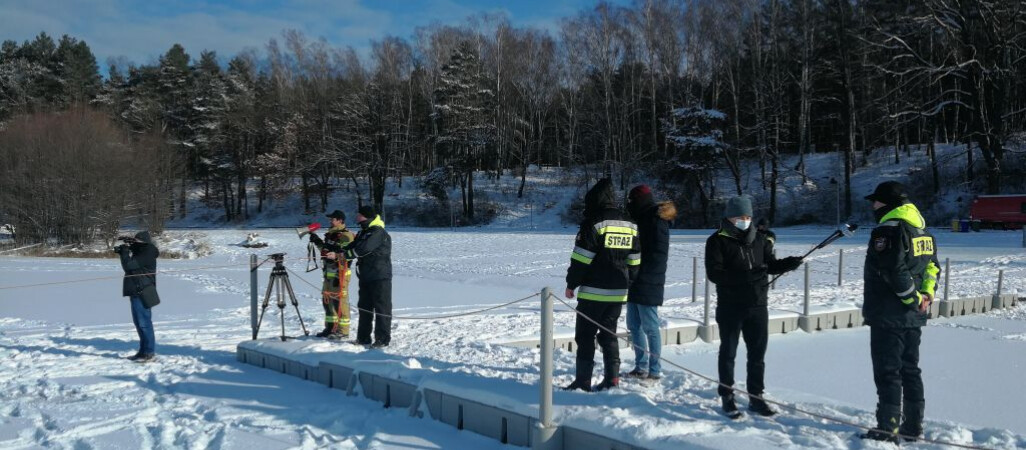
<point x="139" y="258"/>
<point x="738" y="262"/>
<point x="901" y="262"/>
<point x="373" y="251"/>
<point x="607" y="251"/>
<point x="653" y="221"/>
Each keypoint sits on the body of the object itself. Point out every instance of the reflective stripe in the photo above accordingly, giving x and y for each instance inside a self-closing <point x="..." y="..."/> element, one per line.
<point x="917" y="299"/>
<point x="930" y="278"/>
<point x="620" y="230"/>
<point x="584" y="252"/>
<point x="890" y="223"/>
<point x="634" y="259"/>
<point x="616" y="226"/>
<point x="602" y="295"/>
<point x="580" y="258"/>
<point x="907" y="292"/>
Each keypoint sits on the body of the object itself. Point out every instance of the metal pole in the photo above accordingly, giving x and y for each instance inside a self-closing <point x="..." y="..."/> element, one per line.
<point x="806" y="309"/>
<point x="1001" y="277"/>
<point x="840" y="266"/>
<point x="706" y="320"/>
<point x="947" y="275"/>
<point x="253" y="294"/>
<point x="694" y="280"/>
<point x="546" y="430"/>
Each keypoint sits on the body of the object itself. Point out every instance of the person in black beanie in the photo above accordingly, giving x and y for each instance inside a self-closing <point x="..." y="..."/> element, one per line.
<point x="738" y="259"/>
<point x="372" y="249"/>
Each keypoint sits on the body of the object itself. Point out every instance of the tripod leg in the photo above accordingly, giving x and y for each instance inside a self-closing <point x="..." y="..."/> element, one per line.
<point x="263" y="307"/>
<point x="281" y="305"/>
<point x="295" y="303"/>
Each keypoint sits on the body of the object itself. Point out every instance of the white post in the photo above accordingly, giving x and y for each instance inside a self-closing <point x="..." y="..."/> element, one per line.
<point x="947" y="276"/>
<point x="546" y="437"/>
<point x="840" y="266"/>
<point x="253" y="294"/>
<point x="806" y="309"/>
<point x="706" y="319"/>
<point x="1001" y="277"/>
<point x="694" y="280"/>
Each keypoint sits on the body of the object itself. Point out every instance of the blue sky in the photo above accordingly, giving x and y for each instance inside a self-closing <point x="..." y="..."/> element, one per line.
<point x="141" y="30"/>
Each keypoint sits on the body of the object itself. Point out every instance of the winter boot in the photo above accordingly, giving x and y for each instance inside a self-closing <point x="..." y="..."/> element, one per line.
<point x="912" y="423"/>
<point x="637" y="373"/>
<point x="730" y="406"/>
<point x="324" y="333"/>
<point x="583" y="379"/>
<point x="760" y="407"/>
<point x="887" y="418"/>
<point x="611" y="369"/>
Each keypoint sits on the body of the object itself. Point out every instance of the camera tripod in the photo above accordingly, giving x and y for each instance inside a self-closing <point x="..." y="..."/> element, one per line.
<point x="281" y="285"/>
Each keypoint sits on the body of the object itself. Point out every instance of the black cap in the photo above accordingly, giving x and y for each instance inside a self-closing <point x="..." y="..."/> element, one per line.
<point x="367" y="211"/>
<point x="889" y="193"/>
<point x="337" y="214"/>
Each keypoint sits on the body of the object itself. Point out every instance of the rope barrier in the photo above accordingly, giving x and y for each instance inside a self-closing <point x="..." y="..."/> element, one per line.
<point x="750" y="395"/>
<point x="444" y="316"/>
<point x="113" y="277"/>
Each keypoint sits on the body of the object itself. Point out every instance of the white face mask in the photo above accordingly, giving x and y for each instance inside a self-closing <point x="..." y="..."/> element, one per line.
<point x="743" y="224"/>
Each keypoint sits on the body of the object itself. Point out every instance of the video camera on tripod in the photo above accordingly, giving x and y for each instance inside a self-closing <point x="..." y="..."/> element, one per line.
<point x="281" y="285"/>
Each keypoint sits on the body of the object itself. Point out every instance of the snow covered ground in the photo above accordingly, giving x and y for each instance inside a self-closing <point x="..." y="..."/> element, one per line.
<point x="66" y="384"/>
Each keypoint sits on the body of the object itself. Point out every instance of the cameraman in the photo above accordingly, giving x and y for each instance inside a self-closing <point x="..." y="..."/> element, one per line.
<point x="139" y="260"/>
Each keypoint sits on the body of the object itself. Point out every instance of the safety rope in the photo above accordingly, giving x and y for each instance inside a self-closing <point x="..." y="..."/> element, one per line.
<point x="112" y="277"/>
<point x="780" y="404"/>
<point x="444" y="316"/>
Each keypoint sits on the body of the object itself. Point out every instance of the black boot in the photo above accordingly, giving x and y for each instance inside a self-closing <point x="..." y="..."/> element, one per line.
<point x="324" y="333"/>
<point x="887" y="418"/>
<point x="583" y="379"/>
<point x="612" y="374"/>
<point x="730" y="406"/>
<point x="760" y="407"/>
<point x="912" y="423"/>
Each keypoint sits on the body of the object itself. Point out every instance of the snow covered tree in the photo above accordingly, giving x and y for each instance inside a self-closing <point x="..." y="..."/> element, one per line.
<point x="696" y="138"/>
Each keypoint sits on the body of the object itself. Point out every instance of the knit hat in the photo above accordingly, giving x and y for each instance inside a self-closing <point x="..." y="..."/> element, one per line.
<point x="640" y="195"/>
<point x="738" y="206"/>
<point x="890" y="193"/>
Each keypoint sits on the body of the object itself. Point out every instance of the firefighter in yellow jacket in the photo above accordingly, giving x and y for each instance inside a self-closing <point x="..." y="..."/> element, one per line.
<point x="335" y="290"/>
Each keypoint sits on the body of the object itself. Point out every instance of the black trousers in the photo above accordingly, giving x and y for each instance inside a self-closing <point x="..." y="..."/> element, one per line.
<point x="752" y="325"/>
<point x="375" y="308"/>
<point x="895" y="353"/>
<point x="606" y="314"/>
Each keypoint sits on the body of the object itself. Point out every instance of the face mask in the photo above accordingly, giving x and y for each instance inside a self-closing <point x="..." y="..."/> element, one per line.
<point x="743" y="224"/>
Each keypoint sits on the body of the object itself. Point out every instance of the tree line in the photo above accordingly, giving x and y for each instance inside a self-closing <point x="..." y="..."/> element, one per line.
<point x="676" y="90"/>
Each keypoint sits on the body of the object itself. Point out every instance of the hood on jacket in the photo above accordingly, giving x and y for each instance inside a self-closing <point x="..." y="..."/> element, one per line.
<point x="729" y="230"/>
<point x="599" y="197"/>
<point x="667" y="211"/>
<point x="144" y="237"/>
<point x="907" y="212"/>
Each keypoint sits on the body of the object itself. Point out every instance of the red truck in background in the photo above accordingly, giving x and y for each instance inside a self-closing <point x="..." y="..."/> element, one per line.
<point x="999" y="211"/>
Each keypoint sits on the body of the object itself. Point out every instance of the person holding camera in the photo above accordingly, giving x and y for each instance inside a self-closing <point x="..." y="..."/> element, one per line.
<point x="139" y="261"/>
<point x="335" y="289"/>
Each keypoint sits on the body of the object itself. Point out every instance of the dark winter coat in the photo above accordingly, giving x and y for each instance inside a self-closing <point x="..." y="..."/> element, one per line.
<point x="901" y="262"/>
<point x="373" y="251"/>
<point x="607" y="251"/>
<point x="139" y="258"/>
<point x="654" y="232"/>
<point x="738" y="262"/>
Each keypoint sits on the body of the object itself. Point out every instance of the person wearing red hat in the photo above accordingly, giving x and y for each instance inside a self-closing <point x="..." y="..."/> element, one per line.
<point x="646" y="292"/>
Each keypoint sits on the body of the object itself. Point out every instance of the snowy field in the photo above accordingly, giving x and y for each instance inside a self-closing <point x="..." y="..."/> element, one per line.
<point x="66" y="384"/>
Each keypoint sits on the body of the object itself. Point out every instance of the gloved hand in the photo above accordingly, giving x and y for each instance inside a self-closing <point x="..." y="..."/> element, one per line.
<point x="316" y="239"/>
<point x="924" y="305"/>
<point x="791" y="263"/>
<point x="121" y="249"/>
